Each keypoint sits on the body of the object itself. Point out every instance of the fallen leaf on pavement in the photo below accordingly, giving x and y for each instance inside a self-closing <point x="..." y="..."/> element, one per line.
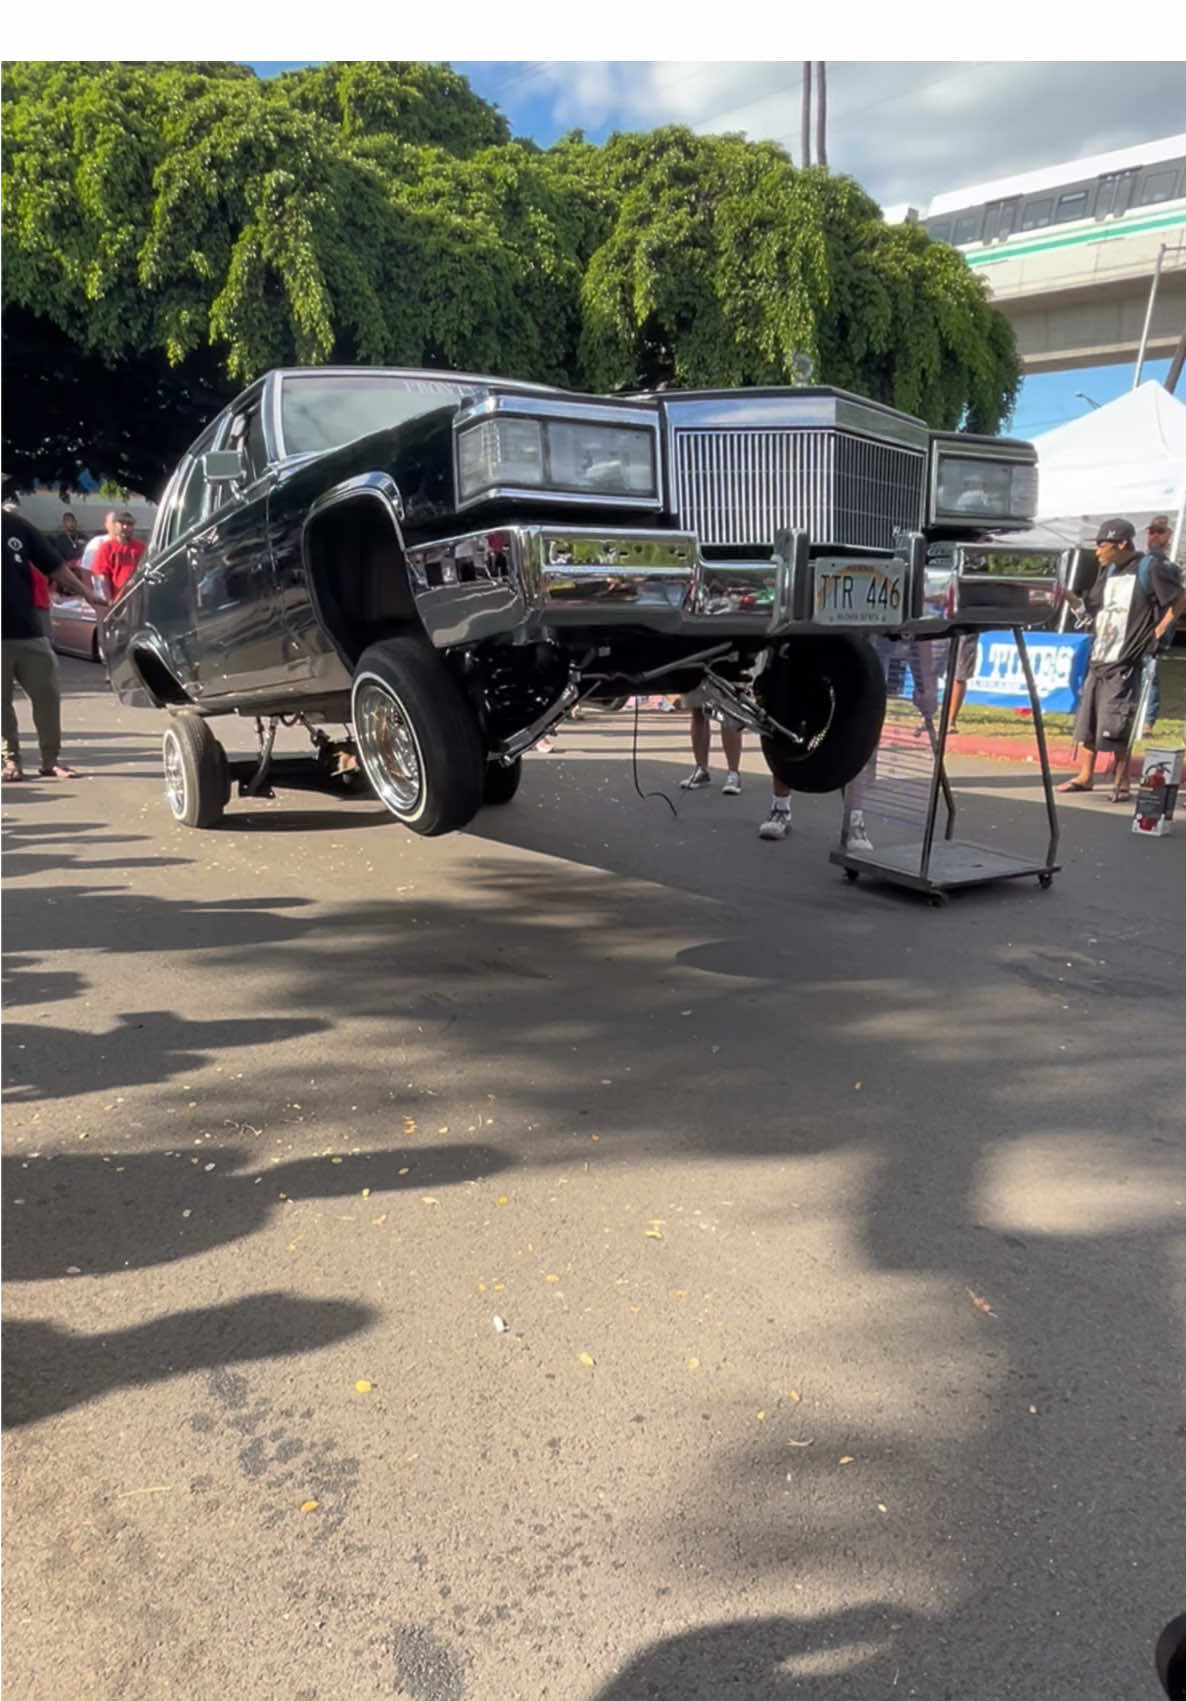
<point x="693" y="1364"/>
<point x="362" y="1386"/>
<point x="585" y="1359"/>
<point x="427" y="1199"/>
<point x="981" y="1304"/>
<point x="310" y="1505"/>
<point x="846" y="1460"/>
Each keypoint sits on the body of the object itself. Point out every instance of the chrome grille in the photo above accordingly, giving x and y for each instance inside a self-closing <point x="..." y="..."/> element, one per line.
<point x="738" y="487"/>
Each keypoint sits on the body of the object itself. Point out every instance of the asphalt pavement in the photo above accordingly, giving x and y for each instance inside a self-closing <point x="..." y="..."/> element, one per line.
<point x="594" y="1257"/>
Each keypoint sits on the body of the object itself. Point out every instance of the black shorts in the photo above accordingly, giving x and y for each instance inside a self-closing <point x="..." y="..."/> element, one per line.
<point x="1107" y="707"/>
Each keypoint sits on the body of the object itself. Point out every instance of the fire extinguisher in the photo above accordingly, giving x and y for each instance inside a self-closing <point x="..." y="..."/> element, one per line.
<point x="1154" y="782"/>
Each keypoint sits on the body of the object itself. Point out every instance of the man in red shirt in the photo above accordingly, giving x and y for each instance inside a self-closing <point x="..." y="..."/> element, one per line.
<point x="119" y="557"/>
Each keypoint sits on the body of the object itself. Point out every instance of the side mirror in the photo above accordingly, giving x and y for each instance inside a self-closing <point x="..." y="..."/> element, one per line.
<point x="224" y="466"/>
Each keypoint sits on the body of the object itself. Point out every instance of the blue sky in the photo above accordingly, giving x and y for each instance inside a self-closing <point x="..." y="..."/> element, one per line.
<point x="906" y="130"/>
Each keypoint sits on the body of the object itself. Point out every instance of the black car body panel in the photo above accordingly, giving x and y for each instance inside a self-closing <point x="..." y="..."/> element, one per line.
<point x="260" y="590"/>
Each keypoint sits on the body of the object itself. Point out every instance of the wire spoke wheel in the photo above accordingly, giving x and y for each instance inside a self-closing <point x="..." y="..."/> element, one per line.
<point x="174" y="775"/>
<point x="388" y="746"/>
<point x="417" y="735"/>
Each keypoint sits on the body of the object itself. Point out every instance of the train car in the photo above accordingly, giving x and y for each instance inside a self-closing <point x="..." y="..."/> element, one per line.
<point x="1133" y="191"/>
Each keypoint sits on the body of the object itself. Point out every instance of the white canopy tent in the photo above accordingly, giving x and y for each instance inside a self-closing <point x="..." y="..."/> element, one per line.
<point x="1128" y="458"/>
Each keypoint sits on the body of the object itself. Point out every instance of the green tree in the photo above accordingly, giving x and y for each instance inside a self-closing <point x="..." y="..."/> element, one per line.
<point x="187" y="226"/>
<point x="724" y="262"/>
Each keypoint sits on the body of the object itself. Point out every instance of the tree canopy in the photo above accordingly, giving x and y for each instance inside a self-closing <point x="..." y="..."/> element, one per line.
<point x="174" y="229"/>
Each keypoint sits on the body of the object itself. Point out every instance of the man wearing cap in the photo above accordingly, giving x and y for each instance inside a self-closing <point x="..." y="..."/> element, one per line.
<point x="1157" y="537"/>
<point x="1132" y="610"/>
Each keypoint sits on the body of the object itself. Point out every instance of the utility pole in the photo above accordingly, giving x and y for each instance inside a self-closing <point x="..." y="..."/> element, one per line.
<point x="1136" y="377"/>
<point x="805" y="124"/>
<point x="821" y="114"/>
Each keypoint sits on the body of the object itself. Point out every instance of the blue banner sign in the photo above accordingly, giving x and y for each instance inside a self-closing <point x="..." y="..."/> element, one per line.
<point x="1059" y="661"/>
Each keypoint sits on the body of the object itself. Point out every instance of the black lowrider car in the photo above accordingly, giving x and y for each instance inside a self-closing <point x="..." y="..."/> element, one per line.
<point x="445" y="564"/>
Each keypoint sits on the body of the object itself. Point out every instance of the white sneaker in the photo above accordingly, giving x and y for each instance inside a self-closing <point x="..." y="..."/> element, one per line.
<point x="732" y="785"/>
<point x="776" y="825"/>
<point x="857" y="838"/>
<point x="698" y="778"/>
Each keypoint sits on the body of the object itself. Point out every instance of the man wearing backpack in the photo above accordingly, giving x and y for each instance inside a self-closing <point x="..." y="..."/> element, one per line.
<point x="1134" y="602"/>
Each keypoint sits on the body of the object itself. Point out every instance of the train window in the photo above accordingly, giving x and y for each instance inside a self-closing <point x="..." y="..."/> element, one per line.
<point x="1072" y="206"/>
<point x="1037" y="213"/>
<point x="1157" y="186"/>
<point x="1113" y="194"/>
<point x="967" y="228"/>
<point x="940" y="230"/>
<point x="1000" y="219"/>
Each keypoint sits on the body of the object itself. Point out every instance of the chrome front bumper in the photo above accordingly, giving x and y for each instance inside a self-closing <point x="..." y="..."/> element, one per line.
<point x="526" y="580"/>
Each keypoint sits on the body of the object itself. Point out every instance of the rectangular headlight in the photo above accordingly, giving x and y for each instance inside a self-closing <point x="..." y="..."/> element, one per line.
<point x="614" y="460"/>
<point x="561" y="455"/>
<point x="500" y="451"/>
<point x="969" y="488"/>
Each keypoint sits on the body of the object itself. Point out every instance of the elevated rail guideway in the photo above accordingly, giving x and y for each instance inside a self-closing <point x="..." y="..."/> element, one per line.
<point x="1070" y="253"/>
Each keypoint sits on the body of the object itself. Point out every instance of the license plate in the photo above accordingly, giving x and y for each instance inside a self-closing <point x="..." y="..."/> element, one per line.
<point x="860" y="594"/>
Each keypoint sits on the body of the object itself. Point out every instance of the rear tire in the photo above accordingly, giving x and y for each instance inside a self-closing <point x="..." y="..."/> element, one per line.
<point x="831" y="690"/>
<point x="418" y="738"/>
<point x="197" y="783"/>
<point x="502" y="781"/>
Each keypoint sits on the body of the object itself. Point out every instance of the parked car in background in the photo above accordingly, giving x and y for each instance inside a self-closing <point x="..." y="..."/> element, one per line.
<point x="445" y="564"/>
<point x="74" y="625"/>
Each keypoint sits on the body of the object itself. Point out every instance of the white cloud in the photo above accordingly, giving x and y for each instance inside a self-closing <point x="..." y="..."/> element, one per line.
<point x="906" y="130"/>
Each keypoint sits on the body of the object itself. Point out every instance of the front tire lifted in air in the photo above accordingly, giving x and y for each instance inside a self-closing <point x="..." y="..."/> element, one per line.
<point x="418" y="738"/>
<point x="830" y="692"/>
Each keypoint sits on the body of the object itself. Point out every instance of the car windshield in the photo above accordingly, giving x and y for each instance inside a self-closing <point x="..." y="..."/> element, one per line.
<point x="323" y="412"/>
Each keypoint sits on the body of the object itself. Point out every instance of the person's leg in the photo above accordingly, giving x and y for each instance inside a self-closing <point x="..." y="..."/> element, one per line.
<point x="701" y="739"/>
<point x="40" y="677"/>
<point x="12" y="734"/>
<point x="959" y="690"/>
<point x="1153" y="707"/>
<point x="778" y="823"/>
<point x="1085" y="735"/>
<point x="853" y="832"/>
<point x="731" y="745"/>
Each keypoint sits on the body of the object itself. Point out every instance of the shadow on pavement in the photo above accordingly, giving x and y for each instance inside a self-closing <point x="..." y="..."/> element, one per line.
<point x="145" y="1045"/>
<point x="97" y="1215"/>
<point x="773" y="1659"/>
<point x="47" y="1369"/>
<point x="108" y="918"/>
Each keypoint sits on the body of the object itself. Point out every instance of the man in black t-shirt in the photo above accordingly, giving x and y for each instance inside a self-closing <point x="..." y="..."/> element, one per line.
<point x="27" y="656"/>
<point x="1134" y="603"/>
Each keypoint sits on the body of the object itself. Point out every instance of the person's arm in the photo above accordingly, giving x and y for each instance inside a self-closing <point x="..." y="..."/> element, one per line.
<point x="66" y="580"/>
<point x="1171" y="614"/>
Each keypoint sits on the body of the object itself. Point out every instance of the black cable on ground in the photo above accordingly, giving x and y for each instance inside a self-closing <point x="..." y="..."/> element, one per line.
<point x="634" y="765"/>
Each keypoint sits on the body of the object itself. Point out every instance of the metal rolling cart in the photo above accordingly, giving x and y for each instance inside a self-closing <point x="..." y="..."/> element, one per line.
<point x="977" y="591"/>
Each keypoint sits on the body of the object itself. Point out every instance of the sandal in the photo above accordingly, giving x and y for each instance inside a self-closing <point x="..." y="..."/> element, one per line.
<point x="1075" y="785"/>
<point x="1122" y="796"/>
<point x="59" y="771"/>
<point x="13" y="770"/>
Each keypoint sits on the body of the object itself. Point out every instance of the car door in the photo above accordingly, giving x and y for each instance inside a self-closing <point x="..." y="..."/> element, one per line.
<point x="161" y="595"/>
<point x="231" y="566"/>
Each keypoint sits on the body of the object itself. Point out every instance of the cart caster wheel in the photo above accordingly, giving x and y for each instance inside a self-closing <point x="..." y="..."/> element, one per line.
<point x="852" y="875"/>
<point x="937" y="900"/>
<point x="1045" y="881"/>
